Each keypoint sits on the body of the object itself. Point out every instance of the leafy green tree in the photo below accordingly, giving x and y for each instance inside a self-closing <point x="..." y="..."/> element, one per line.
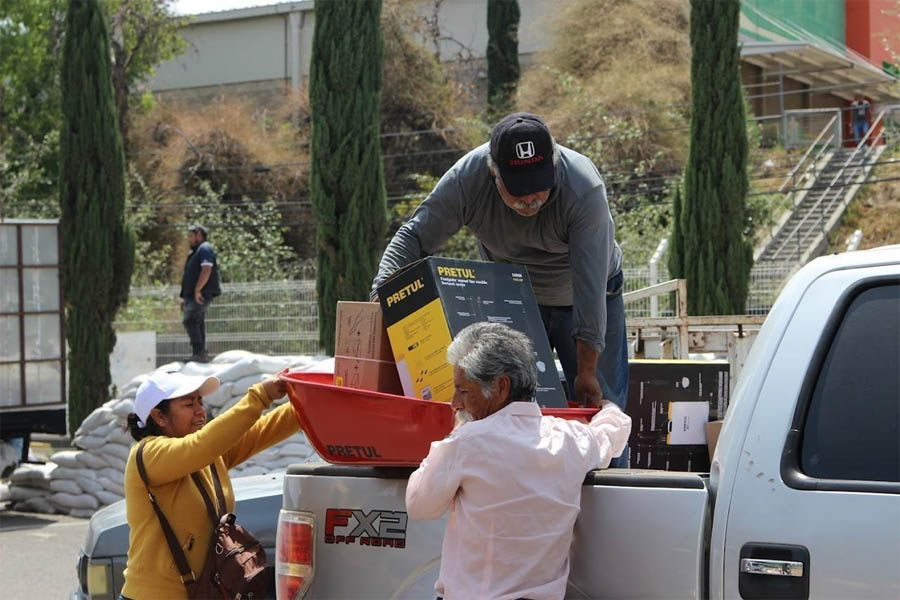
<point x="502" y="55"/>
<point x="97" y="245"/>
<point x="716" y="255"/>
<point x="31" y="38"/>
<point x="346" y="174"/>
<point x="30" y="42"/>
<point x="676" y="240"/>
<point x="144" y="33"/>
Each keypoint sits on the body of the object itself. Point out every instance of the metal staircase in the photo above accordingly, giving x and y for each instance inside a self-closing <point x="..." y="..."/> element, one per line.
<point x="806" y="224"/>
<point x="822" y="186"/>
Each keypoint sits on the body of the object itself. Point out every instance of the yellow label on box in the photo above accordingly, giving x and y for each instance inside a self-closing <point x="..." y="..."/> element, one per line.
<point x="419" y="342"/>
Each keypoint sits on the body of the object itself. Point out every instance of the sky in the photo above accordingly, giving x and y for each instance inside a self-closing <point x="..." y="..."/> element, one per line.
<point x="192" y="7"/>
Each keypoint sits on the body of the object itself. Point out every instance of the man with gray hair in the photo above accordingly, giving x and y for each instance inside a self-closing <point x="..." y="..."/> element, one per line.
<point x="532" y="202"/>
<point x="510" y="477"/>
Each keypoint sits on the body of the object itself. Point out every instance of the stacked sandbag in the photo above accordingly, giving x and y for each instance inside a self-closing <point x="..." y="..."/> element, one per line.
<point x="80" y="481"/>
<point x="29" y="488"/>
<point x="9" y="456"/>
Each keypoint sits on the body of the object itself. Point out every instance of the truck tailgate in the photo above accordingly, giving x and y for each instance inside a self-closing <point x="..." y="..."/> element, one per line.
<point x="364" y="545"/>
<point x="640" y="534"/>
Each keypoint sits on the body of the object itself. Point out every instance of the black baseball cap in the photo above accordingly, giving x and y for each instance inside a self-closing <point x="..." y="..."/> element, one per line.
<point x="195" y="228"/>
<point x="522" y="149"/>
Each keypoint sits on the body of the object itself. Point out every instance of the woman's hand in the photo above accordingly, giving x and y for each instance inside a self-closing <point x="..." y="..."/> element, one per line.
<point x="275" y="387"/>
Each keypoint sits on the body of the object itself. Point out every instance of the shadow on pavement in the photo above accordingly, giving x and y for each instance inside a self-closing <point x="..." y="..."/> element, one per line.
<point x="15" y="520"/>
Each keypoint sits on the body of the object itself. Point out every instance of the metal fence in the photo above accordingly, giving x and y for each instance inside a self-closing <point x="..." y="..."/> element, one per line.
<point x="766" y="281"/>
<point x="641" y="277"/>
<point x="281" y="317"/>
<point x="273" y="317"/>
<point x="804" y="127"/>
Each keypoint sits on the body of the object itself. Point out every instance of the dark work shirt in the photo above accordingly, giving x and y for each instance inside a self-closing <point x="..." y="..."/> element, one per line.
<point x="201" y="256"/>
<point x="568" y="247"/>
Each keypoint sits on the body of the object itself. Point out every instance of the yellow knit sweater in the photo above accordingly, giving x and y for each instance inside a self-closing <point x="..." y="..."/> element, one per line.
<point x="229" y="439"/>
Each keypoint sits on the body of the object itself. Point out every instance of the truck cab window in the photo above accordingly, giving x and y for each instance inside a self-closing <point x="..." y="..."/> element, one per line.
<point x="851" y="428"/>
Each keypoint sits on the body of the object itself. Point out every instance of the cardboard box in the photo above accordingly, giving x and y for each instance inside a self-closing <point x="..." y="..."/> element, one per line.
<point x="670" y="403"/>
<point x="712" y="437"/>
<point x="362" y="351"/>
<point x="431" y="300"/>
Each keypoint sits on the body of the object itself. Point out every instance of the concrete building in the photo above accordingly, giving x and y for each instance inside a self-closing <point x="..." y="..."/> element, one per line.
<point x="796" y="54"/>
<point x="263" y="48"/>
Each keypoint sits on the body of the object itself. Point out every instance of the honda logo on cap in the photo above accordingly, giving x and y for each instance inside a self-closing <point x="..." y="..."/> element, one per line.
<point x="524" y="150"/>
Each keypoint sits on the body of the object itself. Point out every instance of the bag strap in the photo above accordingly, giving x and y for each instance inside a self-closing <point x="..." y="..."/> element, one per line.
<point x="215" y="513"/>
<point x="210" y="509"/>
<point x="220" y="495"/>
<point x="177" y="553"/>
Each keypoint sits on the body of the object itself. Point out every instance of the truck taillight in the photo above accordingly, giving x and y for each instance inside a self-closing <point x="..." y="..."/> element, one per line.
<point x="295" y="554"/>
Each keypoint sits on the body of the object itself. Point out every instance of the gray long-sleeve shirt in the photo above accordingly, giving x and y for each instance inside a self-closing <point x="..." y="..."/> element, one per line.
<point x="568" y="247"/>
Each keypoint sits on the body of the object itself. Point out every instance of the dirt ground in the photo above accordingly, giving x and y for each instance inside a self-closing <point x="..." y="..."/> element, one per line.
<point x="876" y="211"/>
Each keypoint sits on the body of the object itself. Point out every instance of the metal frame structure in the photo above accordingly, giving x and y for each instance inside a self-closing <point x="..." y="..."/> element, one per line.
<point x="18" y="414"/>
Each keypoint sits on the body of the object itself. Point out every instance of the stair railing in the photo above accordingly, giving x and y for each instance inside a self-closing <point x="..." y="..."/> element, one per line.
<point x="788" y="181"/>
<point x="819" y="207"/>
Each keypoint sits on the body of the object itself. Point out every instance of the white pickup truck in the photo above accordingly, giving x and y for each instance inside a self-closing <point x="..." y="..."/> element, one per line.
<point x="802" y="499"/>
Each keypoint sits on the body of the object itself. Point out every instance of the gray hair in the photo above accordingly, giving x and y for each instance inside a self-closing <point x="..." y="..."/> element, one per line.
<point x="493" y="166"/>
<point x="486" y="351"/>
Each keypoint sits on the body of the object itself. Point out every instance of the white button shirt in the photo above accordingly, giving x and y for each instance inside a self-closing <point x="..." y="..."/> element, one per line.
<point x="512" y="482"/>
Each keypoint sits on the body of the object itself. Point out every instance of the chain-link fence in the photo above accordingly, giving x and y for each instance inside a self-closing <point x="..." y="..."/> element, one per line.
<point x="641" y="277"/>
<point x="281" y="317"/>
<point x="766" y="281"/>
<point x="273" y="317"/>
<point x="804" y="127"/>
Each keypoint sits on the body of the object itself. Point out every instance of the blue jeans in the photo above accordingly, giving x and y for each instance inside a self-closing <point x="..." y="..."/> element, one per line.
<point x="612" y="365"/>
<point x="194" y="319"/>
<point x="860" y="129"/>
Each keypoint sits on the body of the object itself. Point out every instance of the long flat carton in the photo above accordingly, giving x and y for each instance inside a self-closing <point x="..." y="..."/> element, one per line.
<point x="427" y="303"/>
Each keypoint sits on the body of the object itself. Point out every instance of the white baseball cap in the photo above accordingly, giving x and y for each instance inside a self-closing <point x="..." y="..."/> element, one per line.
<point x="165" y="386"/>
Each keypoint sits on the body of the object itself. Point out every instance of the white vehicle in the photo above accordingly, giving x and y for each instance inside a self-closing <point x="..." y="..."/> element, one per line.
<point x="802" y="499"/>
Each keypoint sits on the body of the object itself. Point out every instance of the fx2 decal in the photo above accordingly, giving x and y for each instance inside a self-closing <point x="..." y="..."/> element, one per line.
<point x="376" y="528"/>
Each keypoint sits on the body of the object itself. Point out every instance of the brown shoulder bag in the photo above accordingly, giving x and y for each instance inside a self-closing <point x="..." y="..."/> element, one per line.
<point x="235" y="567"/>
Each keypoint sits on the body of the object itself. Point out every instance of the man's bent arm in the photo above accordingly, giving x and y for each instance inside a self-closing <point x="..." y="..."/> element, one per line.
<point x="205" y="272"/>
<point x="591" y="243"/>
<point x="586" y="385"/>
<point x="610" y="428"/>
<point x="433" y="485"/>
<point x="438" y="217"/>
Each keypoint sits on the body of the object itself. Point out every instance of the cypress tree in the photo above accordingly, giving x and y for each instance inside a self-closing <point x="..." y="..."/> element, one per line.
<point x="715" y="254"/>
<point x="502" y="55"/>
<point x="346" y="175"/>
<point x="676" y="240"/>
<point x="97" y="245"/>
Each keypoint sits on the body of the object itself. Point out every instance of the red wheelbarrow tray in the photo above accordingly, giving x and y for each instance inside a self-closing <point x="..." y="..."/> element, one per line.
<point x="361" y="427"/>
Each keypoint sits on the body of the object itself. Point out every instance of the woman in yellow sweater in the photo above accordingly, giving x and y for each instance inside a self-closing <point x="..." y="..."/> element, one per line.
<point x="169" y="415"/>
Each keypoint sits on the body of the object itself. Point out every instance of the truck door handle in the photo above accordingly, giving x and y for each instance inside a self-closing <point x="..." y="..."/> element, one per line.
<point x="764" y="566"/>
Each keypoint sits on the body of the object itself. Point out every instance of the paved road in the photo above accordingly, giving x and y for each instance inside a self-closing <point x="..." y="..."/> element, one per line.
<point x="38" y="554"/>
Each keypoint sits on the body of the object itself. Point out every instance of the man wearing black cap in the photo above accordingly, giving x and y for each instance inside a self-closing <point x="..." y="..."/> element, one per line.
<point x="531" y="202"/>
<point x="199" y="285"/>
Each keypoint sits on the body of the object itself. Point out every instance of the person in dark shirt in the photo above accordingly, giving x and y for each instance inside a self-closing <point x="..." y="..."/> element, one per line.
<point x="859" y="111"/>
<point x="531" y="202"/>
<point x="199" y="285"/>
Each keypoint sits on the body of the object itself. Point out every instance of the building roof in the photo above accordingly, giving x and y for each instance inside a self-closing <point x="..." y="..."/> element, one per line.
<point x="263" y="9"/>
<point x="822" y="68"/>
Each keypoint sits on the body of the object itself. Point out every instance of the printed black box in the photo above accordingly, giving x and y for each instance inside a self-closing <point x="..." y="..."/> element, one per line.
<point x="670" y="402"/>
<point x="430" y="301"/>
